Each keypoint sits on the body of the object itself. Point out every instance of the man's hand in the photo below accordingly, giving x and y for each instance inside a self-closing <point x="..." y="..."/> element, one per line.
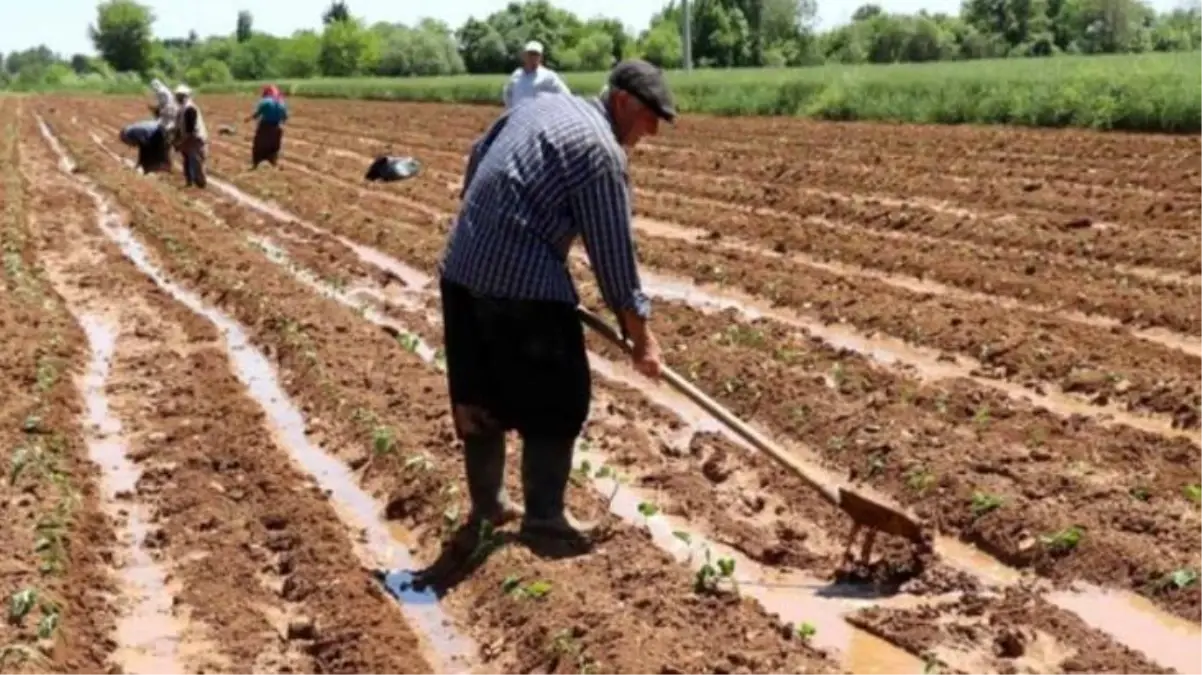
<point x="646" y="357"/>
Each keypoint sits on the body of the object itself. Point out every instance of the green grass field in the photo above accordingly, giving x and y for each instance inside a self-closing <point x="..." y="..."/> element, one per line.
<point x="1143" y="92"/>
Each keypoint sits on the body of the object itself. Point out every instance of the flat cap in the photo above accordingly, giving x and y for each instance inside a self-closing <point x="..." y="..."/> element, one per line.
<point x="646" y="83"/>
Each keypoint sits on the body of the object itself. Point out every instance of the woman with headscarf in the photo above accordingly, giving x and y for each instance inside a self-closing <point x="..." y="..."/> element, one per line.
<point x="271" y="112"/>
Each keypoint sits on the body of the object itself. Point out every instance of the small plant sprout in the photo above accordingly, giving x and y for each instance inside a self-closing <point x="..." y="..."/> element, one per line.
<point x="983" y="503"/>
<point x="20" y="604"/>
<point x="931" y="664"/>
<point x="49" y="621"/>
<point x="712" y="573"/>
<point x="1180" y="579"/>
<point x="683" y="536"/>
<point x="919" y="479"/>
<point x="418" y="461"/>
<point x="512" y="585"/>
<point x="1063" y="541"/>
<point x="806" y="630"/>
<point x="981" y="417"/>
<point x="647" y="509"/>
<point x="1193" y="493"/>
<point x="876" y="464"/>
<point x="409" y="341"/>
<point x="383" y="440"/>
<point x="1141" y="493"/>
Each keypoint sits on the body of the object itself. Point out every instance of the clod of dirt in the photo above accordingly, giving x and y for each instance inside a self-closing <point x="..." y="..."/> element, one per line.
<point x="1010" y="642"/>
<point x="274" y="521"/>
<point x="301" y="628"/>
<point x="1084" y="381"/>
<point x="1078" y="224"/>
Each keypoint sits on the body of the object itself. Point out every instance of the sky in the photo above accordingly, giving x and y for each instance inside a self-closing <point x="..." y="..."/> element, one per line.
<point x="62" y="25"/>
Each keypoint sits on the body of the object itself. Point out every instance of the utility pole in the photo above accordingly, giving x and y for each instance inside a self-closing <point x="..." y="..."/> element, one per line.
<point x="688" y="34"/>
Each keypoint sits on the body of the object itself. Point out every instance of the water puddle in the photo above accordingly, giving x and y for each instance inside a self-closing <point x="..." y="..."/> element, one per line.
<point x="148" y="634"/>
<point x="359" y="510"/>
<point x="1137" y="623"/>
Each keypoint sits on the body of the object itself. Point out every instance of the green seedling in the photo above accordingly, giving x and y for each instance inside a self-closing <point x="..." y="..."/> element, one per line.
<point x="806" y="630"/>
<point x="838" y="375"/>
<point x="981" y="417"/>
<point x="419" y="462"/>
<point x="440" y="358"/>
<point x="983" y="503"/>
<point x="534" y="590"/>
<point x="383" y="440"/>
<point x="604" y="472"/>
<point x="683" y="536"/>
<point x="1141" y="493"/>
<point x="647" y="509"/>
<point x="1178" y="580"/>
<point x="931" y="664"/>
<point x="876" y="464"/>
<point x="582" y="473"/>
<point x="919" y="479"/>
<point x="32" y="424"/>
<point x="409" y="341"/>
<point x="20" y="604"/>
<point x="1064" y="540"/>
<point x="712" y="573"/>
<point x="49" y="622"/>
<point x="1193" y="493"/>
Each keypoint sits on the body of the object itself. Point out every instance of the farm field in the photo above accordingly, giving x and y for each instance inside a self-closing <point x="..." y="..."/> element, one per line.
<point x="226" y="410"/>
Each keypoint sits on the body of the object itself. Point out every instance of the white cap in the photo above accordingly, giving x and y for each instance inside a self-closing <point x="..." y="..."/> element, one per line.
<point x="534" y="46"/>
<point x="183" y="89"/>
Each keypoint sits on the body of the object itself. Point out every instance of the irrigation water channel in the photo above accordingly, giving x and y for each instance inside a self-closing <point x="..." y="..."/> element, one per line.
<point x="446" y="648"/>
<point x="1130" y="619"/>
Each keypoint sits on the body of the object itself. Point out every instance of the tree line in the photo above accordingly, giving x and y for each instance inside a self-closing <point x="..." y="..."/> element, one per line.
<point x="725" y="33"/>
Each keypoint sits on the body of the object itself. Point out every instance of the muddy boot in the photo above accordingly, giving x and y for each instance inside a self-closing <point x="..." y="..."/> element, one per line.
<point x="484" y="460"/>
<point x="546" y="468"/>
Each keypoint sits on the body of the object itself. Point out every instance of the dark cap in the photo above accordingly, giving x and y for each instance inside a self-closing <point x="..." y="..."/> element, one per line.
<point x="646" y="83"/>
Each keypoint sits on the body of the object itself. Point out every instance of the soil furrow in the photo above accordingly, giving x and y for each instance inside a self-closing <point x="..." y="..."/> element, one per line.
<point x="55" y="577"/>
<point x="381" y="388"/>
<point x="262" y="554"/>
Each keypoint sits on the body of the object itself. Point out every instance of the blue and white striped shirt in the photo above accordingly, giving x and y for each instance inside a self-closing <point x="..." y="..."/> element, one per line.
<point x="546" y="172"/>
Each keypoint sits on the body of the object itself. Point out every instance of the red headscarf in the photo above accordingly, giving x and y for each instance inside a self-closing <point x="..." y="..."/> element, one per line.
<point x="272" y="91"/>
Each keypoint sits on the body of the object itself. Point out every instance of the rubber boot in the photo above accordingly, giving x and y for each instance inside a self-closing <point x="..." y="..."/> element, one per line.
<point x="546" y="468"/>
<point x="484" y="461"/>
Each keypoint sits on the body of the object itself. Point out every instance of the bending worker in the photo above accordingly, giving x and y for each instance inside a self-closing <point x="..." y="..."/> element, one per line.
<point x="532" y="78"/>
<point x="545" y="173"/>
<point x="191" y="137"/>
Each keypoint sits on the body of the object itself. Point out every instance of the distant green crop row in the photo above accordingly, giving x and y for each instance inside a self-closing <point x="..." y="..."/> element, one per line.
<point x="1144" y="92"/>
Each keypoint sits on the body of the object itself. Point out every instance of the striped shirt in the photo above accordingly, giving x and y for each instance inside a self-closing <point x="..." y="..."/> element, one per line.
<point x="544" y="173"/>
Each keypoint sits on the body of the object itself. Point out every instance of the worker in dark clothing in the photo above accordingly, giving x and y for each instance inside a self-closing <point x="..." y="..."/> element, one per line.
<point x="545" y="173"/>
<point x="154" y="152"/>
<point x="272" y="113"/>
<point x="191" y="137"/>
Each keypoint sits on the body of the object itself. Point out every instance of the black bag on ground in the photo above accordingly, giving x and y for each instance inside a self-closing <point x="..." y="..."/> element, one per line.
<point x="389" y="169"/>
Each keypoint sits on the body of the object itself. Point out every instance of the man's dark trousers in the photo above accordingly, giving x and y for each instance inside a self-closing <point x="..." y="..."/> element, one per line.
<point x="516" y="365"/>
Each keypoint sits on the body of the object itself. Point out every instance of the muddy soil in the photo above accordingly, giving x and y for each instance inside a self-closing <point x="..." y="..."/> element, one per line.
<point x="379" y="407"/>
<point x="54" y="574"/>
<point x="1019" y="453"/>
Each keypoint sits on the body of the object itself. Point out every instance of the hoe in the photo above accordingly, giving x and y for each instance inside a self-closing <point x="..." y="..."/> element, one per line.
<point x="864" y="512"/>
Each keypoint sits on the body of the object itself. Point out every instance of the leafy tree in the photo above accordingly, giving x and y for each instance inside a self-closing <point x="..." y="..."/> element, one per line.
<point x="337" y="13"/>
<point x="122" y="34"/>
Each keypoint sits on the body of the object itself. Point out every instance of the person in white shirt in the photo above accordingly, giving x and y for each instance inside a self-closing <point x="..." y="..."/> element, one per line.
<point x="533" y="78"/>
